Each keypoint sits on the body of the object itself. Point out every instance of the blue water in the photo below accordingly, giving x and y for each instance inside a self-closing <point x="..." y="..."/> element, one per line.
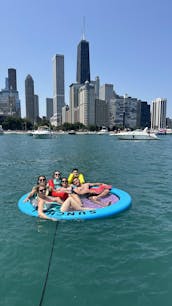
<point x="122" y="261"/>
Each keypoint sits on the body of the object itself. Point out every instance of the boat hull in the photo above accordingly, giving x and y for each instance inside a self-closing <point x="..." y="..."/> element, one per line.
<point x="42" y="136"/>
<point x="136" y="137"/>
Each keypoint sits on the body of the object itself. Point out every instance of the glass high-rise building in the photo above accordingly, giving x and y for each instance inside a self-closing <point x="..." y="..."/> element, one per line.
<point x="12" y="83"/>
<point x="158" y="113"/>
<point x="83" y="62"/>
<point x="49" y="108"/>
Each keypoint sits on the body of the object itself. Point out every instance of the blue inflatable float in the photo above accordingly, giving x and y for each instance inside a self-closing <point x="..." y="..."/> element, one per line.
<point x="119" y="201"/>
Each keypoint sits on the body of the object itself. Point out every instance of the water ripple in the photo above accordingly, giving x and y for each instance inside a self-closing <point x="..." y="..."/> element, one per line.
<point x="124" y="260"/>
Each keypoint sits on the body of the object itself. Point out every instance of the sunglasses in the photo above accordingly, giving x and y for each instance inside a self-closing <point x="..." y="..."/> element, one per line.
<point x="57" y="173"/>
<point x="42" y="179"/>
<point x="41" y="190"/>
<point x="65" y="181"/>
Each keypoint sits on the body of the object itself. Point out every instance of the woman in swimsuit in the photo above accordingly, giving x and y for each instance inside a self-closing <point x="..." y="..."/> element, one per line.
<point x="46" y="201"/>
<point x="40" y="180"/>
<point x="62" y="196"/>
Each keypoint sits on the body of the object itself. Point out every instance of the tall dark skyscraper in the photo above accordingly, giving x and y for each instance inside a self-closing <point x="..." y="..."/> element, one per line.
<point x="83" y="62"/>
<point x="29" y="94"/>
<point x="12" y="83"/>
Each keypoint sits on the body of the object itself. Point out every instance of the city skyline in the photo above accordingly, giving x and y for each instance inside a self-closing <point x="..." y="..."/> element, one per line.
<point x="129" y="46"/>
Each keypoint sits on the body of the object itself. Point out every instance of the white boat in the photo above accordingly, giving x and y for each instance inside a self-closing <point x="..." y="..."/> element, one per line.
<point x="137" y="135"/>
<point x="71" y="132"/>
<point x="161" y="132"/>
<point x="168" y="131"/>
<point x="42" y="132"/>
<point x="103" y="131"/>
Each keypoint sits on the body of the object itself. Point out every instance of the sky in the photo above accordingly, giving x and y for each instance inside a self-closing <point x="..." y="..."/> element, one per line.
<point x="130" y="45"/>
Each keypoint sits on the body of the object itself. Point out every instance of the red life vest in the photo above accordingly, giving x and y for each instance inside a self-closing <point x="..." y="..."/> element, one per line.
<point x="54" y="193"/>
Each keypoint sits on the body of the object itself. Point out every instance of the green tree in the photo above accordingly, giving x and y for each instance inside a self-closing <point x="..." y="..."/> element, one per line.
<point x="93" y="128"/>
<point x="15" y="123"/>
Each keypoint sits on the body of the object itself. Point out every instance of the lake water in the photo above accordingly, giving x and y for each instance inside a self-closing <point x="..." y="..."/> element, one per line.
<point x="122" y="261"/>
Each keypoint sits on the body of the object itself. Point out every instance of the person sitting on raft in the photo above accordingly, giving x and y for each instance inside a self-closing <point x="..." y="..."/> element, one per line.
<point x="40" y="180"/>
<point x="45" y="202"/>
<point x="66" y="188"/>
<point x="56" y="180"/>
<point x="95" y="190"/>
<point x="49" y="190"/>
<point x="75" y="174"/>
<point x="55" y="186"/>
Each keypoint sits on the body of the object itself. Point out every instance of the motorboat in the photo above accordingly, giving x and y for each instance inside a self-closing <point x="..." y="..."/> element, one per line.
<point x="42" y="132"/>
<point x="72" y="132"/>
<point x="103" y="131"/>
<point x="137" y="135"/>
<point x="161" y="132"/>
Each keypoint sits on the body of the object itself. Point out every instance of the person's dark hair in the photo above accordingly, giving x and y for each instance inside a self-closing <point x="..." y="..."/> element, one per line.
<point x="55" y="172"/>
<point x="40" y="185"/>
<point x="75" y="169"/>
<point x="64" y="178"/>
<point x="38" y="179"/>
<point x="75" y="178"/>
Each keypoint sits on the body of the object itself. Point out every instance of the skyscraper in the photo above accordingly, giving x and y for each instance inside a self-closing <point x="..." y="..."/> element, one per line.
<point x="87" y="104"/>
<point x="158" y="113"/>
<point x="29" y="94"/>
<point x="83" y="62"/>
<point x="49" y="108"/>
<point x="36" y="108"/>
<point x="58" y="86"/>
<point x="12" y="83"/>
<point x="9" y="96"/>
<point x="74" y="102"/>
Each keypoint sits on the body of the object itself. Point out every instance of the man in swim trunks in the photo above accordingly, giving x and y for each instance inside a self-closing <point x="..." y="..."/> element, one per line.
<point x="95" y="190"/>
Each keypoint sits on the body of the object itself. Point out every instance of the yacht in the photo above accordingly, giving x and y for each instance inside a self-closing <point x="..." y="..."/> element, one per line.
<point x="42" y="132"/>
<point x="71" y="132"/>
<point x="103" y="131"/>
<point x="137" y="135"/>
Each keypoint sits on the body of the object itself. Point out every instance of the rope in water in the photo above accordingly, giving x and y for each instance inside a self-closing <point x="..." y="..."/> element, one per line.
<point x="49" y="264"/>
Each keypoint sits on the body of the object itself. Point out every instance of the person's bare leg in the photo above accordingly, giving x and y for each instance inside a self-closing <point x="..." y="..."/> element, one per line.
<point x="94" y="199"/>
<point x="65" y="206"/>
<point x="104" y="193"/>
<point x="76" y="198"/>
<point x="71" y="203"/>
<point x="76" y="206"/>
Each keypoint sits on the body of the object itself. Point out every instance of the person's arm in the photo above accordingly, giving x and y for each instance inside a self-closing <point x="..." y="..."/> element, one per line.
<point x="41" y="214"/>
<point x="50" y="199"/>
<point x="31" y="194"/>
<point x="94" y="184"/>
<point x="81" y="178"/>
<point x="70" y="178"/>
<point x="64" y="189"/>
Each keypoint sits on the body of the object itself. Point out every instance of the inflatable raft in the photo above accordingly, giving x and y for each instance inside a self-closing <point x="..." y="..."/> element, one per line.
<point x="117" y="201"/>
